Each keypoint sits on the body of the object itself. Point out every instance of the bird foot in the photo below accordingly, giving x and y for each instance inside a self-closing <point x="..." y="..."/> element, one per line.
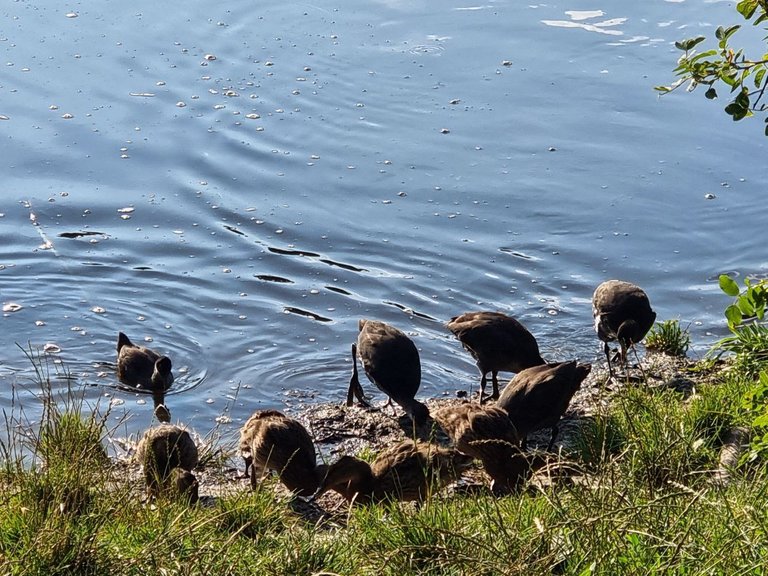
<point x="483" y="399"/>
<point x="627" y="377"/>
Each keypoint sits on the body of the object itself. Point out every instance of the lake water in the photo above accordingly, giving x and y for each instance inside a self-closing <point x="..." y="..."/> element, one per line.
<point x="252" y="178"/>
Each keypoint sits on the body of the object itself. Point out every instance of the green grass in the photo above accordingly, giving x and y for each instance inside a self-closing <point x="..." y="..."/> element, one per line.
<point x="669" y="338"/>
<point x="644" y="506"/>
<point x="749" y="347"/>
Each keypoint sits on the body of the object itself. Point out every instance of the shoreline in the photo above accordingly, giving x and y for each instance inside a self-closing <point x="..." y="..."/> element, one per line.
<point x="337" y="429"/>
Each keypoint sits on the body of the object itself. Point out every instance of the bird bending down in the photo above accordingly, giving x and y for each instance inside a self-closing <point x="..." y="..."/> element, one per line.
<point x="408" y="471"/>
<point x="168" y="455"/>
<point x="143" y="368"/>
<point x="498" y="343"/>
<point x="622" y="313"/>
<point x="486" y="433"/>
<point x="537" y="397"/>
<point x="391" y="361"/>
<point x="270" y="440"/>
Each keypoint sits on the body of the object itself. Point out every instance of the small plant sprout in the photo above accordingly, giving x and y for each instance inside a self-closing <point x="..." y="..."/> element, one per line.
<point x="668" y="338"/>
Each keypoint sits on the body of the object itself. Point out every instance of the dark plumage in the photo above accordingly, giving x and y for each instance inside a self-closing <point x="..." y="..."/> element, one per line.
<point x="537" y="397"/>
<point x="184" y="485"/>
<point x="168" y="455"/>
<point x="142" y="367"/>
<point x="622" y="313"/>
<point x="407" y="471"/>
<point x="497" y="342"/>
<point x="486" y="433"/>
<point x="270" y="440"/>
<point x="391" y="361"/>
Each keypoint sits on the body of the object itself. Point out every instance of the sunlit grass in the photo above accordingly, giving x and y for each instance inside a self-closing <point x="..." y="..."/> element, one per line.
<point x="668" y="337"/>
<point x="749" y="346"/>
<point x="644" y="505"/>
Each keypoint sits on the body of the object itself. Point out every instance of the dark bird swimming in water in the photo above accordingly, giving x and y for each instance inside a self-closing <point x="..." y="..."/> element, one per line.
<point x="143" y="368"/>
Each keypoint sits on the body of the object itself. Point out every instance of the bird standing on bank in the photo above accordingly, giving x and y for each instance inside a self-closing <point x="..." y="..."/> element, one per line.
<point x="498" y="343"/>
<point x="538" y="397"/>
<point x="270" y="440"/>
<point x="486" y="433"/>
<point x="168" y="455"/>
<point x="622" y="313"/>
<point x="391" y="361"/>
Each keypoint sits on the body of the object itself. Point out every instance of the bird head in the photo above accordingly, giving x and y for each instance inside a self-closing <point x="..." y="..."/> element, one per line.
<point x="349" y="476"/>
<point x="418" y="412"/>
<point x="162" y="377"/>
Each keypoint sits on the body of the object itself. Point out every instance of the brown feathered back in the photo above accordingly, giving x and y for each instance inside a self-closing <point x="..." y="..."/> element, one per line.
<point x="142" y="367"/>
<point x="407" y="471"/>
<point x="163" y="449"/>
<point x="497" y="342"/>
<point x="538" y="397"/>
<point x="486" y="433"/>
<point x="270" y="440"/>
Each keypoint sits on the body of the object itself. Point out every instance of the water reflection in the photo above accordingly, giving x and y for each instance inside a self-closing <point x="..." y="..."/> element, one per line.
<point x="578" y="18"/>
<point x="243" y="186"/>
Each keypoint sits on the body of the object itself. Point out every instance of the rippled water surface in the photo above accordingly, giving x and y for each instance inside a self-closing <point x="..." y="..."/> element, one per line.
<point x="236" y="185"/>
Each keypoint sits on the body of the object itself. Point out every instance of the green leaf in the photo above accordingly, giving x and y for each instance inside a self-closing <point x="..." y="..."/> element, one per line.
<point x="723" y="34"/>
<point x="728" y="285"/>
<point x="743" y="98"/>
<point x="703" y="55"/>
<point x="711" y="94"/>
<point x="689" y="43"/>
<point x="730" y="30"/>
<point x="761" y="421"/>
<point x="735" y="111"/>
<point x="747" y="8"/>
<point x="733" y="316"/>
<point x="729" y="79"/>
<point x="745" y="306"/>
<point x="719" y="32"/>
<point x="759" y="75"/>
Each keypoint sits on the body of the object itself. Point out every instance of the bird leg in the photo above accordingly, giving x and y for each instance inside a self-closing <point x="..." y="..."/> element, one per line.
<point x="248" y="462"/>
<point x="639" y="364"/>
<point x="483" y="380"/>
<point x="494" y="377"/>
<point x="607" y="350"/>
<point x="257" y="472"/>
<point x="494" y="381"/>
<point x="552" y="438"/>
<point x="355" y="389"/>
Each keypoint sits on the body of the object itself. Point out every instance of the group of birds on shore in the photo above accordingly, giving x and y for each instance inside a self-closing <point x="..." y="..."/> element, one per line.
<point x="495" y="434"/>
